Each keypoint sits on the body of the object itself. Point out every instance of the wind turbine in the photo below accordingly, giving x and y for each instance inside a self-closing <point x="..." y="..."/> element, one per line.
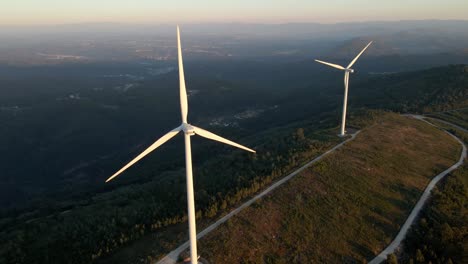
<point x="347" y="70"/>
<point x="188" y="131"/>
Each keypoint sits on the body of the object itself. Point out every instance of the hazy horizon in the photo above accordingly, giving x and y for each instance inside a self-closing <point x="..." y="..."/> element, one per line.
<point x="53" y="12"/>
<point x="233" y="23"/>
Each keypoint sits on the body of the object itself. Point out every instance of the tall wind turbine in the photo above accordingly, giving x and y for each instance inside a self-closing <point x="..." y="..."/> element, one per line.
<point x="347" y="70"/>
<point x="188" y="131"/>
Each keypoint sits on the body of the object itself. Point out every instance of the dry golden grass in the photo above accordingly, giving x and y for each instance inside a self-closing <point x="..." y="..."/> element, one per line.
<point x="345" y="208"/>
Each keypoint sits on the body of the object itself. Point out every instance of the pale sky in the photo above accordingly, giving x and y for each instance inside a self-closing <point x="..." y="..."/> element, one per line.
<point x="28" y="12"/>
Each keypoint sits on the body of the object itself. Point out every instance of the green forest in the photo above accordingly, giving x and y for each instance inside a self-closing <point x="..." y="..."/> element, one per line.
<point x="107" y="221"/>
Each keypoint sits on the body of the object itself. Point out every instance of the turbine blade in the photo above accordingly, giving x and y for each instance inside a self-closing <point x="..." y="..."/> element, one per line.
<point x="155" y="145"/>
<point x="355" y="59"/>
<point x="183" y="90"/>
<point x="214" y="137"/>
<point x="331" y="64"/>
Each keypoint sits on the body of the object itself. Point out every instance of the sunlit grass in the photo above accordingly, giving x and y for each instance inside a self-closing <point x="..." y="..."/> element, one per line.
<point x="346" y="207"/>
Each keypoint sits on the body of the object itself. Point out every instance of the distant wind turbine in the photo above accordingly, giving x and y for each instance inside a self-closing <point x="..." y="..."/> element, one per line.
<point x="188" y="131"/>
<point x="346" y="82"/>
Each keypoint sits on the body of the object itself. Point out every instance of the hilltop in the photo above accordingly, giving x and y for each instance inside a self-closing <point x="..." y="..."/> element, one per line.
<point x="347" y="207"/>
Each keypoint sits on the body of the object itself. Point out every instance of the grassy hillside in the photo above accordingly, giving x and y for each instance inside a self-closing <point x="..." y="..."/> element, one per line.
<point x="441" y="233"/>
<point x="345" y="208"/>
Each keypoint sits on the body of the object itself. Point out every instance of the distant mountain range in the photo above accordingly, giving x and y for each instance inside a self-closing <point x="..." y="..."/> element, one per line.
<point x="290" y="30"/>
<point x="127" y="42"/>
<point x="415" y="41"/>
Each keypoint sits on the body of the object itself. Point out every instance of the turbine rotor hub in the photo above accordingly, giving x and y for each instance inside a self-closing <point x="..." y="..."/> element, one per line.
<point x="350" y="70"/>
<point x="188" y="129"/>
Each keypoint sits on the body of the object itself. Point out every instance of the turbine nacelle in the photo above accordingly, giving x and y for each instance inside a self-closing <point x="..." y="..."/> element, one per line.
<point x="188" y="129"/>
<point x="349" y="70"/>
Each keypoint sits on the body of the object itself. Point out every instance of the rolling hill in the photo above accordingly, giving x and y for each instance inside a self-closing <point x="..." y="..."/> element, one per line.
<point x="347" y="207"/>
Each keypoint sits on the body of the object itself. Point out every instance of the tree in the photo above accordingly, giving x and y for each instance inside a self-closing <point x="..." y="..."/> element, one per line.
<point x="392" y="259"/>
<point x="300" y="133"/>
<point x="446" y="233"/>
<point x="419" y="256"/>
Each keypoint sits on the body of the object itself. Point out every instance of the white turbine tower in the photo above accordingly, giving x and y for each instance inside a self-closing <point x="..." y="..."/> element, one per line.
<point x="346" y="82"/>
<point x="188" y="131"/>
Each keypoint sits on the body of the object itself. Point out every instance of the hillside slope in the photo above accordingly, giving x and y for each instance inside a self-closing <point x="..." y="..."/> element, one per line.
<point x="345" y="208"/>
<point x="441" y="232"/>
<point x="437" y="89"/>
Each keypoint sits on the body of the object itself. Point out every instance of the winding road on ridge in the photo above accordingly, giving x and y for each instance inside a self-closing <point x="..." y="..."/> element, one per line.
<point x="445" y="122"/>
<point x="395" y="244"/>
<point x="172" y="257"/>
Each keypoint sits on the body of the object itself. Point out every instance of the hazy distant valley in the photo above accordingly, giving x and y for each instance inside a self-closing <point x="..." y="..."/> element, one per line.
<point x="87" y="43"/>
